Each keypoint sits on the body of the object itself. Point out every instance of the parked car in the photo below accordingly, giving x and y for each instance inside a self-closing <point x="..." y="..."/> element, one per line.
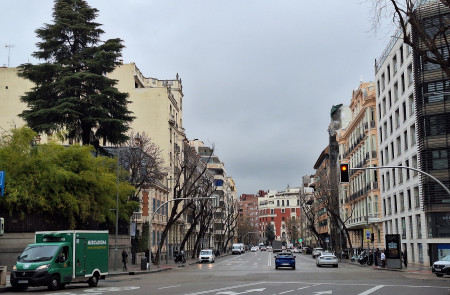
<point x="296" y="250"/>
<point x="306" y="250"/>
<point x="269" y="248"/>
<point x="206" y="256"/>
<point x="263" y="248"/>
<point x="442" y="267"/>
<point x="254" y="249"/>
<point x="327" y="258"/>
<point x="284" y="259"/>
<point x="316" y="252"/>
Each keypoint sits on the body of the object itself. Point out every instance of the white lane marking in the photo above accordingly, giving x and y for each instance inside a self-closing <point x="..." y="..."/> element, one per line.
<point x="286" y="292"/>
<point x="306" y="287"/>
<point x="226" y="288"/>
<point x="168" y="287"/>
<point x="245" y="292"/>
<point x="371" y="290"/>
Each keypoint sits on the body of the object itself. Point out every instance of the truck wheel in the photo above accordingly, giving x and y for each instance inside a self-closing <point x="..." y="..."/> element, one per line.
<point x="93" y="281"/>
<point x="54" y="283"/>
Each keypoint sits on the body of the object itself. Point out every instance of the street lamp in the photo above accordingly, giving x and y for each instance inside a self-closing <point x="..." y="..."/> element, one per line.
<point x="157" y="209"/>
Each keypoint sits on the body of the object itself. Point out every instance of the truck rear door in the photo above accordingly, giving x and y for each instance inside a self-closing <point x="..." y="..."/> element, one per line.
<point x="80" y="256"/>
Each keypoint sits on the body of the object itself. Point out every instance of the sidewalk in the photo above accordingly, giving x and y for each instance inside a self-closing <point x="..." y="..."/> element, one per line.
<point x="412" y="268"/>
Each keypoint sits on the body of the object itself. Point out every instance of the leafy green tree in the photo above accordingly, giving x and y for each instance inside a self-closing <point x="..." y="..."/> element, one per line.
<point x="71" y="90"/>
<point x="61" y="181"/>
<point x="270" y="233"/>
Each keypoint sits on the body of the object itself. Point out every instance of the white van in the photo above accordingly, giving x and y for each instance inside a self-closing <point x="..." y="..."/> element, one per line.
<point x="237" y="249"/>
<point x="242" y="247"/>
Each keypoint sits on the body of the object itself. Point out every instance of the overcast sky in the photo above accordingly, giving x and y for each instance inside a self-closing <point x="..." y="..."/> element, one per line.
<point x="259" y="76"/>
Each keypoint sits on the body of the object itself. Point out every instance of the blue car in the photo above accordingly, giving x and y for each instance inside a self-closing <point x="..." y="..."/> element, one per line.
<point x="284" y="259"/>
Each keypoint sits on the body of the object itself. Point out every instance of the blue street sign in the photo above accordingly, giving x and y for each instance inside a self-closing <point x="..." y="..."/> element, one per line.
<point x="2" y="182"/>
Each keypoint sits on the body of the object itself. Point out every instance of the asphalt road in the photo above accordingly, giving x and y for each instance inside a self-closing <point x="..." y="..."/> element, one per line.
<point x="254" y="273"/>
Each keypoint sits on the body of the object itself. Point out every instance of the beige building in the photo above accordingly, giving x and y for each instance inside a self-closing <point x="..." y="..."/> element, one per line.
<point x="360" y="198"/>
<point x="157" y="106"/>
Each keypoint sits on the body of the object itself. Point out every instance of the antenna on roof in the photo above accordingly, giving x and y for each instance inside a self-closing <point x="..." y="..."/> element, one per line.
<point x="9" y="46"/>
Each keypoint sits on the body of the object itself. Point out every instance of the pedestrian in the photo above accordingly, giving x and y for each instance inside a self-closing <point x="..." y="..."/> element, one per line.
<point x="383" y="259"/>
<point x="147" y="256"/>
<point x="124" y="259"/>
<point x="405" y="258"/>
<point x="376" y="258"/>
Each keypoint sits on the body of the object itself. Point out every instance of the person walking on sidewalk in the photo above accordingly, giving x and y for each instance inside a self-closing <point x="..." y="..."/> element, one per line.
<point x="383" y="259"/>
<point x="124" y="259"/>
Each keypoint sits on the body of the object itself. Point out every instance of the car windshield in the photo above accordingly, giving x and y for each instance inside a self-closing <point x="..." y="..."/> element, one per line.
<point x="38" y="253"/>
<point x="284" y="255"/>
<point x="206" y="252"/>
<point x="446" y="258"/>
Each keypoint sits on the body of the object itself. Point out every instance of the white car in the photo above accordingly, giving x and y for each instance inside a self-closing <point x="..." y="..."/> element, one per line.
<point x="442" y="267"/>
<point x="296" y="250"/>
<point x="254" y="249"/>
<point x="327" y="258"/>
<point x="316" y="252"/>
<point x="206" y="256"/>
<point x="269" y="248"/>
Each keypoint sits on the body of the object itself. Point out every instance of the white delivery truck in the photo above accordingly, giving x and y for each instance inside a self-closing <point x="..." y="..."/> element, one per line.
<point x="237" y="249"/>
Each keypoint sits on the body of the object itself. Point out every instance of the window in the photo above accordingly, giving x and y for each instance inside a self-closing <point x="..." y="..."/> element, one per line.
<point x="439" y="159"/>
<point x="404" y="111"/>
<point x="398" y="142"/>
<point x="396" y="94"/>
<point x="401" y="54"/>
<point x="419" y="226"/>
<point x="282" y="211"/>
<point x="278" y="203"/>
<point x="271" y="212"/>
<point x="402" y="79"/>
<point x="400" y="174"/>
<point x="403" y="228"/>
<point x="389" y="102"/>
<point x="389" y="205"/>
<point x="383" y="82"/>
<point x="384" y="207"/>
<point x="410" y="75"/>
<point x="383" y="104"/>
<point x="391" y="125"/>
<point x="412" y="132"/>
<point x="397" y="118"/>
<point x="395" y="203"/>
<point x="411" y="105"/>
<point x="402" y="202"/>
<point x="407" y="170"/>
<point x="408" y="193"/>
<point x="292" y="210"/>
<point x="379" y="111"/>
<point x="394" y="64"/>
<point x="218" y="182"/>
<point x="392" y="151"/>
<point x="388" y="181"/>
<point x="378" y="87"/>
<point x="282" y="203"/>
<point x="416" y="197"/>
<point x="287" y="202"/>
<point x="405" y="138"/>
<point x="411" y="230"/>
<point x="414" y="164"/>
<point x="385" y="130"/>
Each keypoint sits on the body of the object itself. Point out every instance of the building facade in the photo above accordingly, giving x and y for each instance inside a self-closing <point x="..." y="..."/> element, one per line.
<point x="360" y="197"/>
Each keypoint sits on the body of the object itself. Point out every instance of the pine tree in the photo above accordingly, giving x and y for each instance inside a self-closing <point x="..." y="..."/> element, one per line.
<point x="71" y="92"/>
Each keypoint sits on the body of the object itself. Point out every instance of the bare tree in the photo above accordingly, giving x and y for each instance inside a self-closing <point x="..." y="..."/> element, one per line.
<point x="292" y="229"/>
<point x="430" y="33"/>
<point x="230" y="224"/>
<point x="142" y="158"/>
<point x="190" y="176"/>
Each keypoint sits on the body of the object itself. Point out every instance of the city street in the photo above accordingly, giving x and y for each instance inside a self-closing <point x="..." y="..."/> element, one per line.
<point x="255" y="273"/>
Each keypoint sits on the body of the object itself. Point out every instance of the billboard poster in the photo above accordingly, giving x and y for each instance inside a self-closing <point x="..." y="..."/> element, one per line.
<point x="393" y="243"/>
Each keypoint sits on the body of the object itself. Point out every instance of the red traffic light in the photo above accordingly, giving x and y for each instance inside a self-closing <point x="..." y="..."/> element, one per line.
<point x="344" y="173"/>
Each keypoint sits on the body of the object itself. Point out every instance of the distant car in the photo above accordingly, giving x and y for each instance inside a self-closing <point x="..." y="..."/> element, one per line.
<point x="206" y="256"/>
<point x="254" y="249"/>
<point x="442" y="267"/>
<point x="316" y="252"/>
<point x="296" y="250"/>
<point x="284" y="259"/>
<point x="306" y="250"/>
<point x="327" y="259"/>
<point x="269" y="248"/>
<point x="263" y="248"/>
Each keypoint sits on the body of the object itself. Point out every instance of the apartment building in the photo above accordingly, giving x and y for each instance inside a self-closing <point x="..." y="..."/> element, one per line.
<point x="282" y="210"/>
<point x="226" y="193"/>
<point x="360" y="198"/>
<point x="248" y="218"/>
<point x="413" y="119"/>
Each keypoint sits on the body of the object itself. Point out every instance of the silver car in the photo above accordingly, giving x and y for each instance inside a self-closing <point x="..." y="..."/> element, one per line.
<point x="206" y="256"/>
<point x="327" y="259"/>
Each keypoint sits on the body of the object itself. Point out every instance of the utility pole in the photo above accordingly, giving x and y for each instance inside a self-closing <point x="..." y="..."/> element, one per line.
<point x="9" y="46"/>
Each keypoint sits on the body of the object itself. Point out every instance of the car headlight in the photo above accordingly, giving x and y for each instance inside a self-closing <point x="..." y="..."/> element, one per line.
<point x="15" y="267"/>
<point x="45" y="266"/>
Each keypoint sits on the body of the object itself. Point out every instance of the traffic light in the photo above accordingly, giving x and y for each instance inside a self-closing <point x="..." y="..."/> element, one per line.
<point x="344" y="173"/>
<point x="372" y="237"/>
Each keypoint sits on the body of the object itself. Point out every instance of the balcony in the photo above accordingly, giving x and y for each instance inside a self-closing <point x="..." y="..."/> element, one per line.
<point x="361" y="221"/>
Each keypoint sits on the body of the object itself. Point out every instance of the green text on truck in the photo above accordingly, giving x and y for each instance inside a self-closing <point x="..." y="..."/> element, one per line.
<point x="62" y="257"/>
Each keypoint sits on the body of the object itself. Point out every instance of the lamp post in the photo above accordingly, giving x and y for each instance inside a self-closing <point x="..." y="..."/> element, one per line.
<point x="156" y="210"/>
<point x="117" y="210"/>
